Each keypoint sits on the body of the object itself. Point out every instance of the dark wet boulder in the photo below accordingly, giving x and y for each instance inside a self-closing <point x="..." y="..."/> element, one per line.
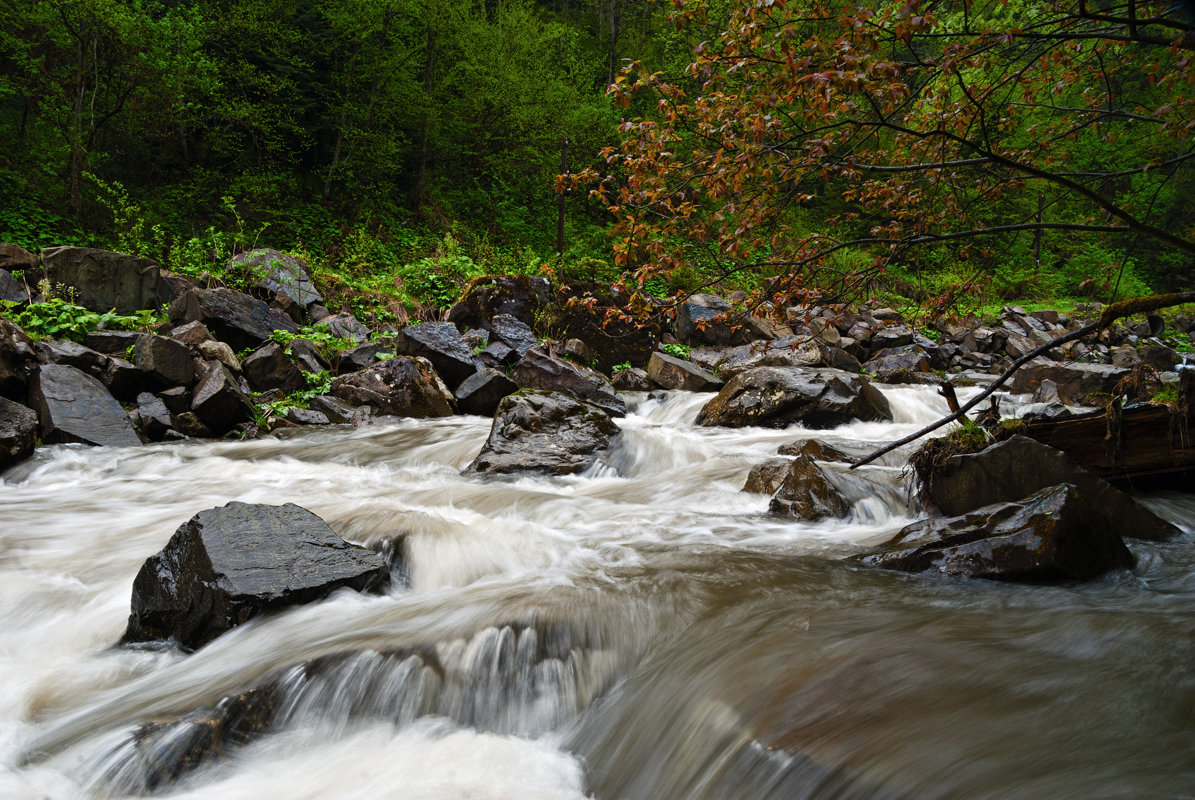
<point x="404" y="386"/>
<point x="670" y="372"/>
<point x="74" y="407"/>
<point x="307" y="356"/>
<point x="192" y="334"/>
<point x="766" y="476"/>
<point x="791" y="351"/>
<point x="1054" y="536"/>
<point x="273" y="272"/>
<point x="306" y="416"/>
<point x="606" y="326"/>
<point x="18" y="432"/>
<point x="166" y="362"/>
<point x="521" y="296"/>
<point x="775" y="397"/>
<point x="442" y="345"/>
<point x="815" y="449"/>
<point x="807" y="492"/>
<point x="228" y="565"/>
<point x="1075" y="381"/>
<point x="11" y="289"/>
<point x="103" y="280"/>
<point x="514" y="333"/>
<point x="708" y="319"/>
<point x="14" y="258"/>
<point x="231" y="316"/>
<point x="481" y="392"/>
<point x="335" y="410"/>
<point x="362" y="356"/>
<point x="113" y="343"/>
<point x="544" y="432"/>
<point x="218" y="401"/>
<point x="632" y="379"/>
<point x="1018" y="467"/>
<point x="269" y="367"/>
<point x="220" y="351"/>
<point x="154" y="416"/>
<point x="539" y="370"/>
<point x="890" y="336"/>
<point x="71" y="354"/>
<point x="898" y="364"/>
<point x="17" y="359"/>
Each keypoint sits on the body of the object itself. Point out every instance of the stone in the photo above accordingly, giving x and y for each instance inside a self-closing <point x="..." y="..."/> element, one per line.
<point x="1054" y="536"/>
<point x="893" y="363"/>
<point x="165" y="361"/>
<point x="815" y="449"/>
<point x="18" y="358"/>
<point x="306" y="416"/>
<point x="521" y="296"/>
<point x="220" y="351"/>
<point x="18" y="432"/>
<point x="404" y="386"/>
<point x="176" y="398"/>
<point x="578" y="351"/>
<point x="277" y="273"/>
<point x="766" y="476"/>
<point x="362" y="356"/>
<point x="192" y="334"/>
<point x="335" y="410"/>
<point x="113" y="343"/>
<point x="71" y="354"/>
<point x="171" y="286"/>
<point x="103" y="280"/>
<point x="669" y="372"/>
<point x="74" y="407"/>
<point x="345" y="326"/>
<point x="14" y="258"/>
<point x="482" y="391"/>
<point x="307" y="356"/>
<point x="544" y="432"/>
<point x="12" y="289"/>
<point x="775" y="397"/>
<point x="499" y="354"/>
<point x="632" y="379"/>
<point x="595" y="315"/>
<point x="189" y="425"/>
<point x="122" y="379"/>
<point x="1018" y="467"/>
<point x="230" y="316"/>
<point x="227" y="565"/>
<point x="155" y="417"/>
<point x="538" y="370"/>
<point x="806" y="492"/>
<point x="890" y="336"/>
<point x="218" y="401"/>
<point x="514" y="333"/>
<point x="1074" y="381"/>
<point x="707" y="318"/>
<point x="792" y="351"/>
<point x="1160" y="357"/>
<point x="442" y="345"/>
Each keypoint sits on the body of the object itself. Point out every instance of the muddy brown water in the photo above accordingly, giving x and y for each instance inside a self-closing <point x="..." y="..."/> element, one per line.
<point x="642" y="631"/>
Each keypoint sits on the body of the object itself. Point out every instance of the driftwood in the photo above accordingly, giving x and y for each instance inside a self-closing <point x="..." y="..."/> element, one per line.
<point x="1113" y="312"/>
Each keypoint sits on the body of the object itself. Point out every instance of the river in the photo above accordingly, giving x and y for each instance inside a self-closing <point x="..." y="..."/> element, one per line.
<point x="645" y="630"/>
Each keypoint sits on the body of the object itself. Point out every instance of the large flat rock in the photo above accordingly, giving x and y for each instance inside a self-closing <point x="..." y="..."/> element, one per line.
<point x="103" y="280"/>
<point x="775" y="397"/>
<point x="76" y="408"/>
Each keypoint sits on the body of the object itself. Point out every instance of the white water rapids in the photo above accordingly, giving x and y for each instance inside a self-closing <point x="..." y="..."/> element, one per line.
<point x="642" y="631"/>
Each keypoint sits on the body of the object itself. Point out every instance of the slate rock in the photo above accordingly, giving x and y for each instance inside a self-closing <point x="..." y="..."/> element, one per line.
<point x="18" y="432"/>
<point x="1054" y="536"/>
<point x="269" y="367"/>
<point x="74" y="407"/>
<point x="103" y="280"/>
<point x="228" y="565"/>
<point x="332" y="408"/>
<point x="155" y="417"/>
<point x="192" y="334"/>
<point x="766" y="476"/>
<point x="890" y="336"/>
<point x="122" y="379"/>
<point x="404" y="386"/>
<point x="544" y="432"/>
<point x="18" y="358"/>
<point x="482" y="391"/>
<point x="514" y="333"/>
<point x="306" y="416"/>
<point x="442" y="345"/>
<point x="12" y="289"/>
<point x="806" y="492"/>
<point x="113" y="343"/>
<point x="165" y="361"/>
<point x="14" y="258"/>
<point x="1075" y="381"/>
<point x="230" y="316"/>
<point x="633" y="379"/>
<point x="277" y="273"/>
<point x="521" y="296"/>
<point x="775" y="397"/>
<point x="218" y="401"/>
<point x="1019" y="467"/>
<point x="670" y="372"/>
<point x="539" y="370"/>
<point x="362" y="356"/>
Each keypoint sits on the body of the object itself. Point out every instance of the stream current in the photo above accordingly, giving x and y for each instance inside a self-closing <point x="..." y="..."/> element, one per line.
<point x="644" y="630"/>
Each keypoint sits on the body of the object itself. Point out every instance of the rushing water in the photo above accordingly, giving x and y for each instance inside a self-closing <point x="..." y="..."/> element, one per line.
<point x="643" y="631"/>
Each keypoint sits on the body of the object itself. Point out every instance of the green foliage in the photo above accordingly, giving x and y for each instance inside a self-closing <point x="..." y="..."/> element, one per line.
<point x="56" y="318"/>
<point x="318" y="383"/>
<point x="623" y="367"/>
<point x="438" y="280"/>
<point x="677" y="350"/>
<point x="319" y="335"/>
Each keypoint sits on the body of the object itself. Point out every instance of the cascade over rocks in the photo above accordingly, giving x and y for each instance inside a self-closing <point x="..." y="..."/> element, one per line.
<point x="18" y="432"/>
<point x="404" y="386"/>
<point x="277" y="273"/>
<point x="1018" y="467"/>
<point x="227" y="565"/>
<point x="1054" y="536"/>
<point x="521" y="296"/>
<point x="669" y="372"/>
<point x="231" y="316"/>
<point x="775" y="397"/>
<point x="546" y="432"/>
<point x="539" y="370"/>
<point x="76" y="408"/>
<point x="441" y="344"/>
<point x="103" y="280"/>
<point x="806" y="492"/>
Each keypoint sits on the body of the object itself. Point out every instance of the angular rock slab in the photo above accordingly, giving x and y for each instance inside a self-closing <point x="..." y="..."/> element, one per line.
<point x="441" y="344"/>
<point x="103" y="280"/>
<point x="670" y="372"/>
<point x="775" y="397"/>
<point x="277" y="273"/>
<point x="218" y="401"/>
<point x="228" y="565"/>
<point x="403" y="386"/>
<point x="481" y="392"/>
<point x="1055" y="536"/>
<point x="545" y="432"/>
<point x="231" y="316"/>
<point x="521" y="296"/>
<point x="1074" y="381"/>
<point x="806" y="492"/>
<point x="18" y="433"/>
<point x="17" y="357"/>
<point x="539" y="370"/>
<point x="1020" y="466"/>
<point x="76" y="408"/>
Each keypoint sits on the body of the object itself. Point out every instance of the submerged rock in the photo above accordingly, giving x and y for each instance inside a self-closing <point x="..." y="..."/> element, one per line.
<point x="548" y="432"/>
<point x="1055" y="536"/>
<point x="775" y="397"/>
<point x="806" y="492"/>
<point x="228" y="565"/>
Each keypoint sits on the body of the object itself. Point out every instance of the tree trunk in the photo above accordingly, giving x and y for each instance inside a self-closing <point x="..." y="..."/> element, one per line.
<point x="428" y="79"/>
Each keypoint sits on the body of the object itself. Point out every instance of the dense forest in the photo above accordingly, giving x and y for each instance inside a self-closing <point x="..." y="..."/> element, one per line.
<point x="928" y="151"/>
